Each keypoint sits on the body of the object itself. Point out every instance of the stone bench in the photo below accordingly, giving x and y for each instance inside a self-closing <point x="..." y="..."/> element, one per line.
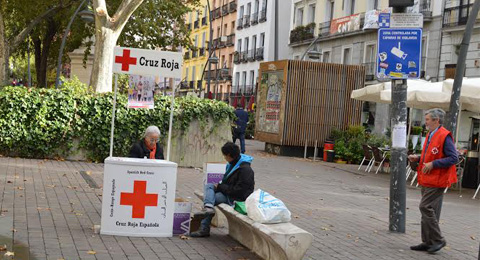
<point x="269" y="241"/>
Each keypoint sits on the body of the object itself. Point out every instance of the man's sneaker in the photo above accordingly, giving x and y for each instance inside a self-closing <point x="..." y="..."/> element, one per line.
<point x="200" y="233"/>
<point x="206" y="211"/>
<point x="421" y="247"/>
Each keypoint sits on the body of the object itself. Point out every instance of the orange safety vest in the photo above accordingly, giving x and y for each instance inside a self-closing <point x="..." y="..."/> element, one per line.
<point x="437" y="177"/>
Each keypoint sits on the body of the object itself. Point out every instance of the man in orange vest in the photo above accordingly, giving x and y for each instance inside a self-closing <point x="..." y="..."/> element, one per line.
<point x="436" y="171"/>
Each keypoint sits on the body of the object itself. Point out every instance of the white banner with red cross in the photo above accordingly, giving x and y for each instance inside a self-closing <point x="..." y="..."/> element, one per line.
<point x="138" y="197"/>
<point x="147" y="62"/>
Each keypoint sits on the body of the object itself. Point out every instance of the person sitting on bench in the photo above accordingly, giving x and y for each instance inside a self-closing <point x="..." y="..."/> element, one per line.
<point x="237" y="184"/>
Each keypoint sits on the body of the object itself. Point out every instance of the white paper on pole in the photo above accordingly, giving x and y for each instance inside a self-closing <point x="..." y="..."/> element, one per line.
<point x="138" y="197"/>
<point x="147" y="62"/>
<point x="399" y="135"/>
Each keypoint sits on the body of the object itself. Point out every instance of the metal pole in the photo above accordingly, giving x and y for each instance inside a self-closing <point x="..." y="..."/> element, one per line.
<point x="275" y="53"/>
<point x="209" y="46"/>
<point x="452" y="116"/>
<point x="398" y="157"/>
<point x="113" y="116"/>
<point x="308" y="48"/>
<point x="169" y="142"/>
<point x="64" y="39"/>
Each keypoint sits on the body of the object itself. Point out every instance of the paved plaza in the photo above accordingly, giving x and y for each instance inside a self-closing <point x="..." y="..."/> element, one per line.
<point x="47" y="211"/>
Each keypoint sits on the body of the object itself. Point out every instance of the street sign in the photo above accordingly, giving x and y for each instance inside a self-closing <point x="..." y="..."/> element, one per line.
<point x="400" y="20"/>
<point x="399" y="53"/>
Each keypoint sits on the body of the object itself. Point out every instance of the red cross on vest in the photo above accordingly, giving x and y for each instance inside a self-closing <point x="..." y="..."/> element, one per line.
<point x="126" y="60"/>
<point x="139" y="199"/>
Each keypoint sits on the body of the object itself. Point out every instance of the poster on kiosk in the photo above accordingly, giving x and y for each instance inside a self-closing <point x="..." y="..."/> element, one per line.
<point x="139" y="194"/>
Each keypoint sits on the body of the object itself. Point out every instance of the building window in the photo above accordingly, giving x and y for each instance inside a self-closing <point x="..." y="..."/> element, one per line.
<point x="256" y="6"/>
<point x="193" y="73"/>
<point x="330" y="10"/>
<point x="252" y="79"/>
<point x="249" y="8"/>
<point x="347" y="56"/>
<point x="232" y="30"/>
<point x="326" y="56"/>
<point x="246" y="44"/>
<point x="237" y="80"/>
<point x="204" y="35"/>
<point x="348" y="7"/>
<point x="240" y="13"/>
<point x="196" y="41"/>
<point x="372" y="4"/>
<point x="262" y="40"/>
<point x="244" y="80"/>
<point x="370" y="54"/>
<point x="311" y="14"/>
<point x="239" y="45"/>
<point x="186" y="74"/>
<point x="299" y="17"/>
<point x="254" y="42"/>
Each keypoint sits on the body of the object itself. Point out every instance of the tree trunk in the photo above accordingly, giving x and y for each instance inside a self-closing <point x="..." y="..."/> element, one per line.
<point x="3" y="53"/>
<point x="107" y="30"/>
<point x="105" y="41"/>
<point x="42" y="51"/>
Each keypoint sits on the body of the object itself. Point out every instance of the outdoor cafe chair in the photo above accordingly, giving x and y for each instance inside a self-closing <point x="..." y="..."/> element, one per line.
<point x="367" y="156"/>
<point x="378" y="157"/>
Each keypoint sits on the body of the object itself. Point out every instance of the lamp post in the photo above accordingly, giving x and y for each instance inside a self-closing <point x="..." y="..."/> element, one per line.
<point x="87" y="16"/>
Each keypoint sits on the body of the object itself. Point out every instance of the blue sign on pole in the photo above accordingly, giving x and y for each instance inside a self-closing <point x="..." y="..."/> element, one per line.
<point x="399" y="53"/>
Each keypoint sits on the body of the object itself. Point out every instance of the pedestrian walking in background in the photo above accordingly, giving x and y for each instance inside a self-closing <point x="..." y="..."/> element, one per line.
<point x="240" y="127"/>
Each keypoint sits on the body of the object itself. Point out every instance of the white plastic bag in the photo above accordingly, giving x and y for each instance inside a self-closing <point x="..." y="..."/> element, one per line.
<point x="264" y="208"/>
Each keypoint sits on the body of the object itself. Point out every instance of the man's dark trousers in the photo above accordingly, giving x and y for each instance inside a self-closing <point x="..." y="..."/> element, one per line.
<point x="430" y="207"/>
<point x="241" y="136"/>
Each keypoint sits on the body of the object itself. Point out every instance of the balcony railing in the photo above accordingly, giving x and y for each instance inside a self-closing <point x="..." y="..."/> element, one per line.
<point x="251" y="55"/>
<point x="243" y="56"/>
<point x="259" y="54"/>
<point x="231" y="40"/>
<point x="196" y="24"/>
<point x="221" y="44"/>
<point x="204" y="20"/>
<point x="243" y="89"/>
<point x="302" y="33"/>
<point x="254" y="18"/>
<point x="240" y="23"/>
<point x="324" y="29"/>
<point x="369" y="70"/>
<point x="246" y="21"/>
<point x="236" y="57"/>
<point x="425" y="9"/>
<point x="232" y="7"/>
<point x="457" y="15"/>
<point x="225" y="9"/>
<point x="201" y="51"/>
<point x="263" y="15"/>
<point x="217" y="13"/>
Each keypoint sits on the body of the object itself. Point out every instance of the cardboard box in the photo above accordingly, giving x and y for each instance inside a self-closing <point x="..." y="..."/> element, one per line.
<point x="213" y="172"/>
<point x="181" y="218"/>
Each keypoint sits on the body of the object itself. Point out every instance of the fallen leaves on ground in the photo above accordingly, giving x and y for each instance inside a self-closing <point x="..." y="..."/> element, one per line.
<point x="3" y="248"/>
<point x="51" y="186"/>
<point x="9" y="182"/>
<point x="473" y="237"/>
<point x="325" y="228"/>
<point x="8" y="253"/>
<point x="20" y="188"/>
<point x="91" y="252"/>
<point x="183" y="237"/>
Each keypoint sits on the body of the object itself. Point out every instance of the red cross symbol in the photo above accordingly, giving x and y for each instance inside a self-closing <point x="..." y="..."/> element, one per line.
<point x="139" y="199"/>
<point x="126" y="60"/>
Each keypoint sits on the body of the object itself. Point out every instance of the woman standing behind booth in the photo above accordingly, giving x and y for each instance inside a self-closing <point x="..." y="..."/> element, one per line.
<point x="149" y="147"/>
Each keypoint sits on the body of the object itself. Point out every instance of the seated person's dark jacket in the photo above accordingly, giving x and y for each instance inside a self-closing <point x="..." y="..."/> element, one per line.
<point x="240" y="184"/>
<point x="140" y="150"/>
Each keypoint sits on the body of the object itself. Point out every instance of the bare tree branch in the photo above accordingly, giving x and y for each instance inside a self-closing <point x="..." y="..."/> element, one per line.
<point x="124" y="11"/>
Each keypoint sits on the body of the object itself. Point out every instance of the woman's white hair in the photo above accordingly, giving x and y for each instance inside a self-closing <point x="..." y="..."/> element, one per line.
<point x="152" y="130"/>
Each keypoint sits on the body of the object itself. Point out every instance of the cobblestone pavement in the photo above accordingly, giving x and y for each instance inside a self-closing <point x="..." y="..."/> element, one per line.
<point x="47" y="211"/>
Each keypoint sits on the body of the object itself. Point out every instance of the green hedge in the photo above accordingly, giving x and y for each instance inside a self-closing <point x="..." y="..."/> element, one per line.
<point x="45" y="123"/>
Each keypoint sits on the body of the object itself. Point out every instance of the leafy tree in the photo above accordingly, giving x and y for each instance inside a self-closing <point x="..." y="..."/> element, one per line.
<point x="156" y="23"/>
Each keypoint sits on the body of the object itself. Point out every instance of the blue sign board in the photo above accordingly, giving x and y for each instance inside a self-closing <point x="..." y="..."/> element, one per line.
<point x="399" y="53"/>
<point x="384" y="20"/>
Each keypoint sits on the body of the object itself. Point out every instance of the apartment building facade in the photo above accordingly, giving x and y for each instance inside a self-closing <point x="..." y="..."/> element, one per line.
<point x="337" y="28"/>
<point x="260" y="36"/>
<point x="224" y="15"/>
<point x="196" y="58"/>
<point x="456" y="13"/>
